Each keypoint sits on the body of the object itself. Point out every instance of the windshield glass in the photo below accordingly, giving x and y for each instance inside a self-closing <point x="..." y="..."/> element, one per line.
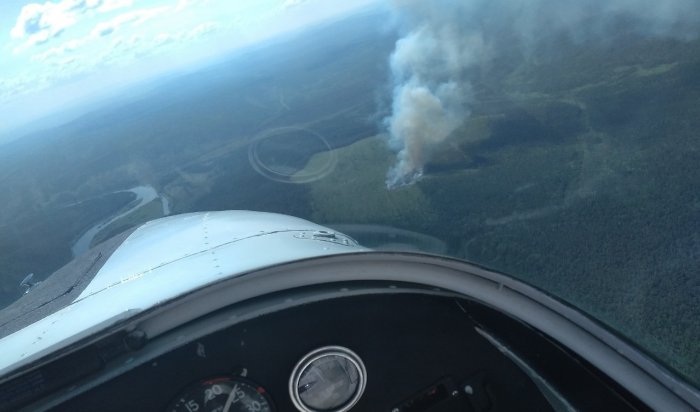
<point x="555" y="141"/>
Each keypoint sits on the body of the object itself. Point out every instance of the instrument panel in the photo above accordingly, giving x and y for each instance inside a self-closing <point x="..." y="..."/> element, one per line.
<point x="394" y="353"/>
<point x="411" y="351"/>
<point x="330" y="379"/>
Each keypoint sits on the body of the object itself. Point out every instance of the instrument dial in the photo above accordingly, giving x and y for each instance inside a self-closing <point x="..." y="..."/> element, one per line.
<point x="223" y="394"/>
<point x="329" y="379"/>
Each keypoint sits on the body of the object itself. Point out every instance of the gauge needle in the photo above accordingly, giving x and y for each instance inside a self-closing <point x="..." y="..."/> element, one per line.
<point x="303" y="388"/>
<point x="229" y="400"/>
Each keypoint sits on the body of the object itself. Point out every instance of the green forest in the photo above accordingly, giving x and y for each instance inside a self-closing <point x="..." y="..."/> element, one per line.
<point x="577" y="169"/>
<point x="580" y="175"/>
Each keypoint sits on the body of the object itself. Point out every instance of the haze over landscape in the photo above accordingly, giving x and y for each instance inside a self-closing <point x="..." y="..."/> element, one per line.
<point x="63" y="58"/>
<point x="554" y="141"/>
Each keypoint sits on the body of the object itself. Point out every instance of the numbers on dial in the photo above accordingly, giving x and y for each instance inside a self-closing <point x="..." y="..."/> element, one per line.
<point x="223" y="395"/>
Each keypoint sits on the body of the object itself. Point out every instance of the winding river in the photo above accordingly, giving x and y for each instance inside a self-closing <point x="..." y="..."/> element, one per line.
<point x="144" y="195"/>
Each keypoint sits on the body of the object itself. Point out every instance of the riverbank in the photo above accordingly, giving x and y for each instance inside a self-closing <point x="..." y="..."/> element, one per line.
<point x="144" y="196"/>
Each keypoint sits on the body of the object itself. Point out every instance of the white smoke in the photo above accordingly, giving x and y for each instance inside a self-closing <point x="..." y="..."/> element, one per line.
<point x="431" y="95"/>
<point x="447" y="38"/>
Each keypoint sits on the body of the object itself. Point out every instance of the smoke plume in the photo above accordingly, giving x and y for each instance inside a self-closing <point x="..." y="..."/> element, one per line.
<point x="431" y="94"/>
<point x="446" y="39"/>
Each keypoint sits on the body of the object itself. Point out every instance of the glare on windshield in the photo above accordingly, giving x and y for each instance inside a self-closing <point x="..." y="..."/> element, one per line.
<point x="553" y="141"/>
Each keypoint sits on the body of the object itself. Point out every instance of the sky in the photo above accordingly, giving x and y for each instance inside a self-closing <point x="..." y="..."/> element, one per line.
<point x="57" y="54"/>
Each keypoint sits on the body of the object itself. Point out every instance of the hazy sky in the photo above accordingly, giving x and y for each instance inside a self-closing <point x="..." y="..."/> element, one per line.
<point x="57" y="52"/>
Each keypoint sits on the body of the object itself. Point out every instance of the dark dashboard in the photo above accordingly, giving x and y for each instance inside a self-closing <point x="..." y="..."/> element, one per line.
<point x="421" y="351"/>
